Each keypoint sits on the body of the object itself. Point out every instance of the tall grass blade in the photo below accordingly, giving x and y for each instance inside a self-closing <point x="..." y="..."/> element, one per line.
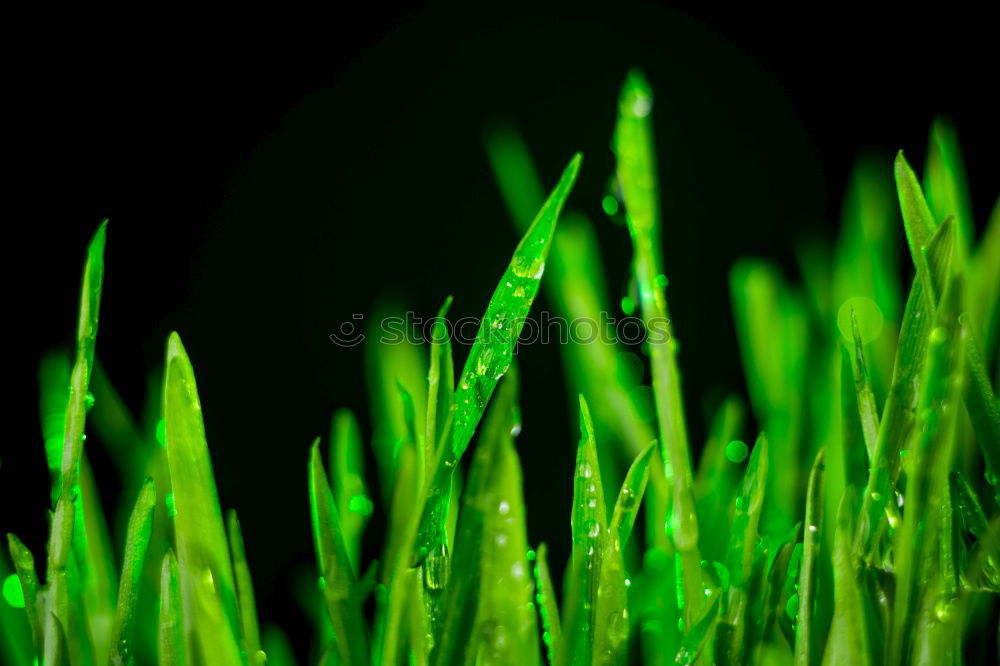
<point x="807" y="648"/>
<point x="171" y="648"/>
<point x="250" y="629"/>
<point x="140" y="527"/>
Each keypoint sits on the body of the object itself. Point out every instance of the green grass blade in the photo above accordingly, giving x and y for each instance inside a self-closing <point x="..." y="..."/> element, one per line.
<point x="982" y="405"/>
<point x="279" y="650"/>
<point x="250" y="629"/>
<point x="440" y="397"/>
<point x="548" y="608"/>
<point x="492" y="351"/>
<point x="589" y="531"/>
<point x="140" y="527"/>
<point x="64" y="519"/>
<point x="717" y="479"/>
<point x="16" y="631"/>
<point x="491" y="356"/>
<point x="637" y="176"/>
<point x="898" y="413"/>
<point x="24" y="565"/>
<point x="171" y="650"/>
<point x="203" y="560"/>
<point x="930" y="460"/>
<point x="849" y="642"/>
<point x="507" y="626"/>
<point x="630" y="497"/>
<point x="335" y="567"/>
<point x="354" y="505"/>
<point x="807" y="648"/>
<point x="918" y="222"/>
<point x="984" y="304"/>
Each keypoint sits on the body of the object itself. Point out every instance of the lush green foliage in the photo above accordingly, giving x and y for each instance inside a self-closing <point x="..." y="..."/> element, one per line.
<point x="863" y="528"/>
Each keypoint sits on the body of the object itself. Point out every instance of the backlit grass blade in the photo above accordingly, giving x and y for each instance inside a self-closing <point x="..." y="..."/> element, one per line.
<point x="505" y="315"/>
<point x="140" y="526"/>
<point x="506" y="623"/>
<point x="637" y="176"/>
<point x="898" y="413"/>
<point x="548" y="608"/>
<point x="203" y="560"/>
<point x="984" y="267"/>
<point x="250" y="630"/>
<point x="24" y="566"/>
<point x="64" y="518"/>
<point x="849" y="642"/>
<point x="807" y="648"/>
<point x="338" y="578"/>
<point x="171" y="649"/>
<point x="918" y="222"/>
<point x="589" y="531"/>
<point x="930" y="459"/>
<point x="492" y="353"/>
<point x="278" y="649"/>
<point x="576" y="286"/>
<point x="982" y="404"/>
<point x="354" y="505"/>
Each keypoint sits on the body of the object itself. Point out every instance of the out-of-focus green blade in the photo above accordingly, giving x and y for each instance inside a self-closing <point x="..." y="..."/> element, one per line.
<point x="171" y="648"/>
<point x="548" y="608"/>
<point x="918" y="222"/>
<point x="772" y="331"/>
<point x="203" y="563"/>
<point x="717" y="479"/>
<point x="807" y="648"/>
<point x="927" y="478"/>
<point x="16" y="629"/>
<point x="140" y="526"/>
<point x="64" y="519"/>
<point x="279" y="650"/>
<point x="984" y="269"/>
<point x="982" y="404"/>
<point x="250" y="630"/>
<point x="945" y="182"/>
<point x="392" y="358"/>
<point x="849" y="642"/>
<point x="354" y="505"/>
<point x="743" y="537"/>
<point x="335" y="568"/>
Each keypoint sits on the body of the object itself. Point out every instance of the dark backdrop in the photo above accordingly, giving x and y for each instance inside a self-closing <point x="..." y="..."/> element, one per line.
<point x="265" y="180"/>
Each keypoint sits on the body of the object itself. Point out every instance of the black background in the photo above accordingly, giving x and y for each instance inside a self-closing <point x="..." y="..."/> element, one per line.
<point x="268" y="177"/>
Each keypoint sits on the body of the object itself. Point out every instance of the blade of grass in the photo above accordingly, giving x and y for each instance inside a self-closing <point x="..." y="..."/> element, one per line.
<point x="929" y="467"/>
<point x="171" y="648"/>
<point x="338" y="581"/>
<point x="849" y="642"/>
<point x="807" y="649"/>
<point x="24" y="565"/>
<point x="203" y="560"/>
<point x="491" y="356"/>
<point x="440" y="398"/>
<point x="354" y="506"/>
<point x="945" y="182"/>
<point x="636" y="171"/>
<point x="548" y="608"/>
<point x="63" y="521"/>
<point x="140" y="526"/>
<point x="250" y="633"/>
<point x="630" y="497"/>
